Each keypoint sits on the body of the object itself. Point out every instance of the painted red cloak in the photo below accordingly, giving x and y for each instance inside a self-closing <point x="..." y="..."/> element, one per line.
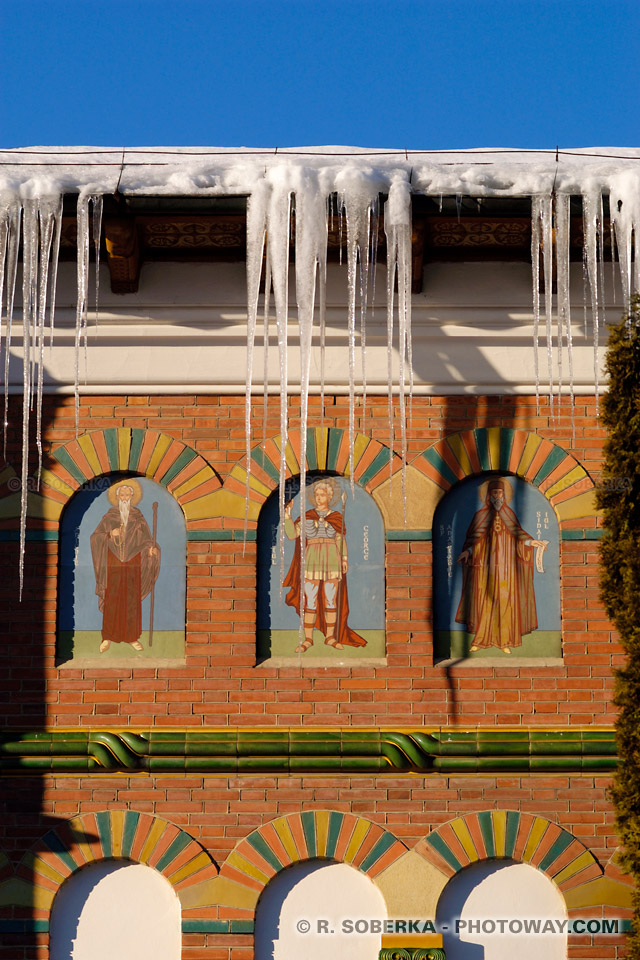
<point x="293" y="579"/>
<point x="498" y="602"/>
<point x="124" y="573"/>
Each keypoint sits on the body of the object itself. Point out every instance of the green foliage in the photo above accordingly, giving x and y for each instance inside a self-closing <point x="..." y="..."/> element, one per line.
<point x="619" y="498"/>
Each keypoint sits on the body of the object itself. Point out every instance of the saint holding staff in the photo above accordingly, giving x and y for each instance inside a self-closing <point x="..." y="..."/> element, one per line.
<point x="126" y="562"/>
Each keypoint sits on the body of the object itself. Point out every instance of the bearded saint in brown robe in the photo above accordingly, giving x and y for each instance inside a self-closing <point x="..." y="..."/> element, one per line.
<point x="498" y="603"/>
<point x="126" y="561"/>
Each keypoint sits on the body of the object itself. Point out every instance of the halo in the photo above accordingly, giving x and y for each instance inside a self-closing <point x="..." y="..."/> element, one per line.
<point x="325" y="482"/>
<point x="483" y="489"/>
<point x="127" y="482"/>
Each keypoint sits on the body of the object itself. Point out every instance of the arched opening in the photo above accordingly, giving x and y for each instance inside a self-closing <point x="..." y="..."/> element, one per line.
<point x="115" y="908"/>
<point x="122" y="575"/>
<point x="304" y="910"/>
<point x="345" y="544"/>
<point x="501" y="909"/>
<point x="496" y="571"/>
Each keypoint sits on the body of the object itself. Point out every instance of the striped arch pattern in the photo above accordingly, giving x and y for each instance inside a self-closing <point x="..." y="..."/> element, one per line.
<point x="541" y="462"/>
<point x="148" y="453"/>
<point x="113" y="834"/>
<point x="315" y="833"/>
<point x="327" y="449"/>
<point x="519" y="836"/>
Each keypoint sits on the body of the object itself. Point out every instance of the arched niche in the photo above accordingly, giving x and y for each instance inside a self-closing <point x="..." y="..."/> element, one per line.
<point x="302" y="910"/>
<point x="122" y="573"/>
<point x="496" y="594"/>
<point x="358" y="600"/>
<point x="115" y="908"/>
<point x="485" y="909"/>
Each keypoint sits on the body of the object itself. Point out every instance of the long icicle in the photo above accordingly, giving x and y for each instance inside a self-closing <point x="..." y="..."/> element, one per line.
<point x="397" y="218"/>
<point x="46" y="212"/>
<point x="311" y="245"/>
<point x="547" y="261"/>
<point x="256" y="228"/>
<point x="96" y="225"/>
<point x="278" y="233"/>
<point x="564" y="297"/>
<point x="82" y="273"/>
<point x="29" y="310"/>
<point x="13" y="245"/>
<point x="535" y="290"/>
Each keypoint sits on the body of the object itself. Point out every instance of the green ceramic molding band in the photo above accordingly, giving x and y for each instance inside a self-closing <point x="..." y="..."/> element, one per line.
<point x="290" y="752"/>
<point x="412" y="953"/>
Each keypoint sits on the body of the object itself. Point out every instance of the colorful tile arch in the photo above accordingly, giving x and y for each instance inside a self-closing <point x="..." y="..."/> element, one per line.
<point x="148" y="453"/>
<point x="558" y="475"/>
<point x="327" y="450"/>
<point x="313" y="834"/>
<point x="112" y="834"/>
<point x="518" y="836"/>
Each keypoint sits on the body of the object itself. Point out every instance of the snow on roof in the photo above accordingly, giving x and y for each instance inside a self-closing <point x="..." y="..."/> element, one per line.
<point x="220" y="171"/>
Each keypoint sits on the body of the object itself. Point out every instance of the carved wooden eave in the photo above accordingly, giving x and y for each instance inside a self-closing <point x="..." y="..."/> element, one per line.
<point x="442" y="231"/>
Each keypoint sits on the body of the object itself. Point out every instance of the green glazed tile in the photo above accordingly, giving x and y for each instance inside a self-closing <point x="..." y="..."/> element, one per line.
<point x="568" y="764"/>
<point x="205" y="748"/>
<point x="241" y="926"/>
<point x="205" y="926"/>
<point x="167" y="764"/>
<point x="264" y="764"/>
<point x="500" y="736"/>
<point x="70" y="764"/>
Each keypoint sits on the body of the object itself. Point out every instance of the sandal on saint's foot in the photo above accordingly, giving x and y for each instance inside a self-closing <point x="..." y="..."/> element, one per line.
<point x="334" y="643"/>
<point x="304" y="646"/>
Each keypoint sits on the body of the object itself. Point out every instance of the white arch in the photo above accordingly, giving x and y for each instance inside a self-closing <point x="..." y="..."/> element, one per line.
<point x="482" y="895"/>
<point x="116" y="908"/>
<point x="322" y="895"/>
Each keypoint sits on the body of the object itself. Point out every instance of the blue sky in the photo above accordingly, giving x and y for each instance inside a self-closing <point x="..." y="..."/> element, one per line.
<point x="386" y="73"/>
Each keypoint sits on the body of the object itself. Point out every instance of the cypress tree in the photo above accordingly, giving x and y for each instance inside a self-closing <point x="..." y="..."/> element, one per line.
<point x="619" y="498"/>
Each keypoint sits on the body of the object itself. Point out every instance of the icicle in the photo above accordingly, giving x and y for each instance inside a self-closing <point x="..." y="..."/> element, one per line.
<point x="13" y="245"/>
<point x="624" y="207"/>
<point x="546" y="210"/>
<point x="564" y="300"/>
<point x="265" y="357"/>
<point x="47" y="210"/>
<point x="536" y="206"/>
<point x="82" y="271"/>
<point x="96" y="223"/>
<point x="5" y="212"/>
<point x="29" y="319"/>
<point x="398" y="230"/>
<point x="358" y="197"/>
<point x="54" y="269"/>
<point x="278" y="231"/>
<point x="322" y="314"/>
<point x="591" y="206"/>
<point x="256" y="227"/>
<point x="311" y="252"/>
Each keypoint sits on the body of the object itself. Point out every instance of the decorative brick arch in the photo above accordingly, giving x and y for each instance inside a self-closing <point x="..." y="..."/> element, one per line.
<point x="327" y="450"/>
<point x="114" y="834"/>
<point x="323" y="834"/>
<point x="558" y="475"/>
<point x="517" y="836"/>
<point x="158" y="456"/>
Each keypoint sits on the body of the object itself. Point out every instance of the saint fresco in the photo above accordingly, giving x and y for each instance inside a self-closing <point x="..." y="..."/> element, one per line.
<point x="496" y="571"/>
<point x="341" y="585"/>
<point x="122" y="573"/>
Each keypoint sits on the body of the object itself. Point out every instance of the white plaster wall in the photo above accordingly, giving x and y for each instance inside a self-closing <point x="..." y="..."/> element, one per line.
<point x="186" y="330"/>
<point x="116" y="910"/>
<point x="315" y="891"/>
<point x="501" y="890"/>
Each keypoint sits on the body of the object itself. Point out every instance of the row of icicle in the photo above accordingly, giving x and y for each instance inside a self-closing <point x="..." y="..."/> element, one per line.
<point x="35" y="225"/>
